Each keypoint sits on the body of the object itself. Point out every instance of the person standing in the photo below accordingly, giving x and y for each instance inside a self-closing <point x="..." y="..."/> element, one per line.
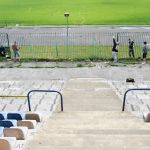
<point x="145" y="50"/>
<point x="131" y="48"/>
<point x="16" y="51"/>
<point x="2" y="51"/>
<point x="115" y="50"/>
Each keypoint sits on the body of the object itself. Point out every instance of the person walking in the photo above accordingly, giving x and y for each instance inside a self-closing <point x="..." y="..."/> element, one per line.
<point x="16" y="51"/>
<point x="115" y="50"/>
<point x="145" y="51"/>
<point x="131" y="48"/>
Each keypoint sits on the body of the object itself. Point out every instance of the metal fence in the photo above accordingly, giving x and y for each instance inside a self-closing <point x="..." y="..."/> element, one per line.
<point x="53" y="46"/>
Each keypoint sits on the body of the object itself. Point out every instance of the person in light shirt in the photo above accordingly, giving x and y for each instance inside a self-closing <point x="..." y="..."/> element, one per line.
<point x="16" y="50"/>
<point x="145" y="51"/>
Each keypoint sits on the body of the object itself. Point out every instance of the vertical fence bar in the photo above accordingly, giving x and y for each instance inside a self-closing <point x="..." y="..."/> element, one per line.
<point x="77" y="45"/>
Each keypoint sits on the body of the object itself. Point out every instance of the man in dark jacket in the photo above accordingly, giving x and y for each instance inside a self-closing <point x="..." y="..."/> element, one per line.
<point x="2" y="51"/>
<point x="131" y="48"/>
<point x="115" y="50"/>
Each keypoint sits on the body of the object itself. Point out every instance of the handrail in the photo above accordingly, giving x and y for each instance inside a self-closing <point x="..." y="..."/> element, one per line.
<point x="53" y="91"/>
<point x="134" y="89"/>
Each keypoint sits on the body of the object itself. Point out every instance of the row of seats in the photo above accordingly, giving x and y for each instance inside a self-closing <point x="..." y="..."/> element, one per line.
<point x="16" y="126"/>
<point x="20" y="116"/>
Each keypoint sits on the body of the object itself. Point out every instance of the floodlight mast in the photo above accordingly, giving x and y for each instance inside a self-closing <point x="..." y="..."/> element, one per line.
<point x="66" y="14"/>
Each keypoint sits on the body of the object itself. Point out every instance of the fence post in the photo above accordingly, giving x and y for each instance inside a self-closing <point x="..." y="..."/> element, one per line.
<point x="56" y="45"/>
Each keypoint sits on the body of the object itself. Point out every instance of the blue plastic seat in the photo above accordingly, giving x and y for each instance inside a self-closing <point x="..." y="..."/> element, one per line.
<point x="1" y="131"/>
<point x="15" y="116"/>
<point x="6" y="124"/>
<point x="1" y="117"/>
<point x="4" y="114"/>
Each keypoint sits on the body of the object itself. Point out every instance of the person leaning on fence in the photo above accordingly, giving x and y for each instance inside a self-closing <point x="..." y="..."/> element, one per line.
<point x="115" y="50"/>
<point x="131" y="48"/>
<point x="2" y="51"/>
<point x="16" y="51"/>
<point x="145" y="51"/>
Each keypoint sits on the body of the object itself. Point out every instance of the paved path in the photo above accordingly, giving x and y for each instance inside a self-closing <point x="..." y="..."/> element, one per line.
<point x="77" y="29"/>
<point x="101" y="70"/>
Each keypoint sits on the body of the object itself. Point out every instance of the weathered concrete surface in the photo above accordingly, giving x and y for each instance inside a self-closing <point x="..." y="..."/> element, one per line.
<point x="101" y="70"/>
<point x="95" y="130"/>
<point x="82" y="129"/>
<point x="90" y="95"/>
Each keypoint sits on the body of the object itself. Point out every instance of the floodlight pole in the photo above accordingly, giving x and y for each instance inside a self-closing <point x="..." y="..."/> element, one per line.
<point x="66" y="14"/>
<point x="67" y="26"/>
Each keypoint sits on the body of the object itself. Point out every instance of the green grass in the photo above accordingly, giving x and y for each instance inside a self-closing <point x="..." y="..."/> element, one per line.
<point x="95" y="12"/>
<point x="75" y="53"/>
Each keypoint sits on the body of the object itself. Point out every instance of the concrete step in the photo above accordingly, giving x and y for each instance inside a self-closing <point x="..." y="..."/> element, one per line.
<point x="94" y="120"/>
<point x="90" y="95"/>
<point x="92" y="130"/>
<point x="101" y="113"/>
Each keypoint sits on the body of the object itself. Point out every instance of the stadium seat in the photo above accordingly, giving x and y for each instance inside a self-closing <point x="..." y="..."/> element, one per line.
<point x="33" y="116"/>
<point x="1" y="131"/>
<point x="11" y="140"/>
<point x="26" y="123"/>
<point x="14" y="132"/>
<point x="1" y="117"/>
<point x="15" y="116"/>
<point x="12" y="115"/>
<point x="6" y="124"/>
<point x="4" y="114"/>
<point x="146" y="117"/>
<point x="4" y="145"/>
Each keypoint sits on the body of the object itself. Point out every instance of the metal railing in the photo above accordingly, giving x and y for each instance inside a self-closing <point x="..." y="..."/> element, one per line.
<point x="134" y="89"/>
<point x="76" y="46"/>
<point x="49" y="91"/>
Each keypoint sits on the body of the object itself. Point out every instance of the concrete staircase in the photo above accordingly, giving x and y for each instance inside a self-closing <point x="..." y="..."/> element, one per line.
<point x="99" y="126"/>
<point x="93" y="130"/>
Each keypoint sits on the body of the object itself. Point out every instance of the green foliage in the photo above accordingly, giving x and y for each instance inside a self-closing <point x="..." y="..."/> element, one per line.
<point x="50" y="12"/>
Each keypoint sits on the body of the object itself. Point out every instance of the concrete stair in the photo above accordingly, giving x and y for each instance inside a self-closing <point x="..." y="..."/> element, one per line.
<point x="92" y="130"/>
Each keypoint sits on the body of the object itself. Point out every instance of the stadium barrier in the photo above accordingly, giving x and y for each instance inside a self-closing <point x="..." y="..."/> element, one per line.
<point x="74" y="46"/>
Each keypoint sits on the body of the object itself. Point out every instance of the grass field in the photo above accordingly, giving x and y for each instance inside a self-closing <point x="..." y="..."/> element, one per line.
<point x="95" y="12"/>
<point x="74" y="53"/>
